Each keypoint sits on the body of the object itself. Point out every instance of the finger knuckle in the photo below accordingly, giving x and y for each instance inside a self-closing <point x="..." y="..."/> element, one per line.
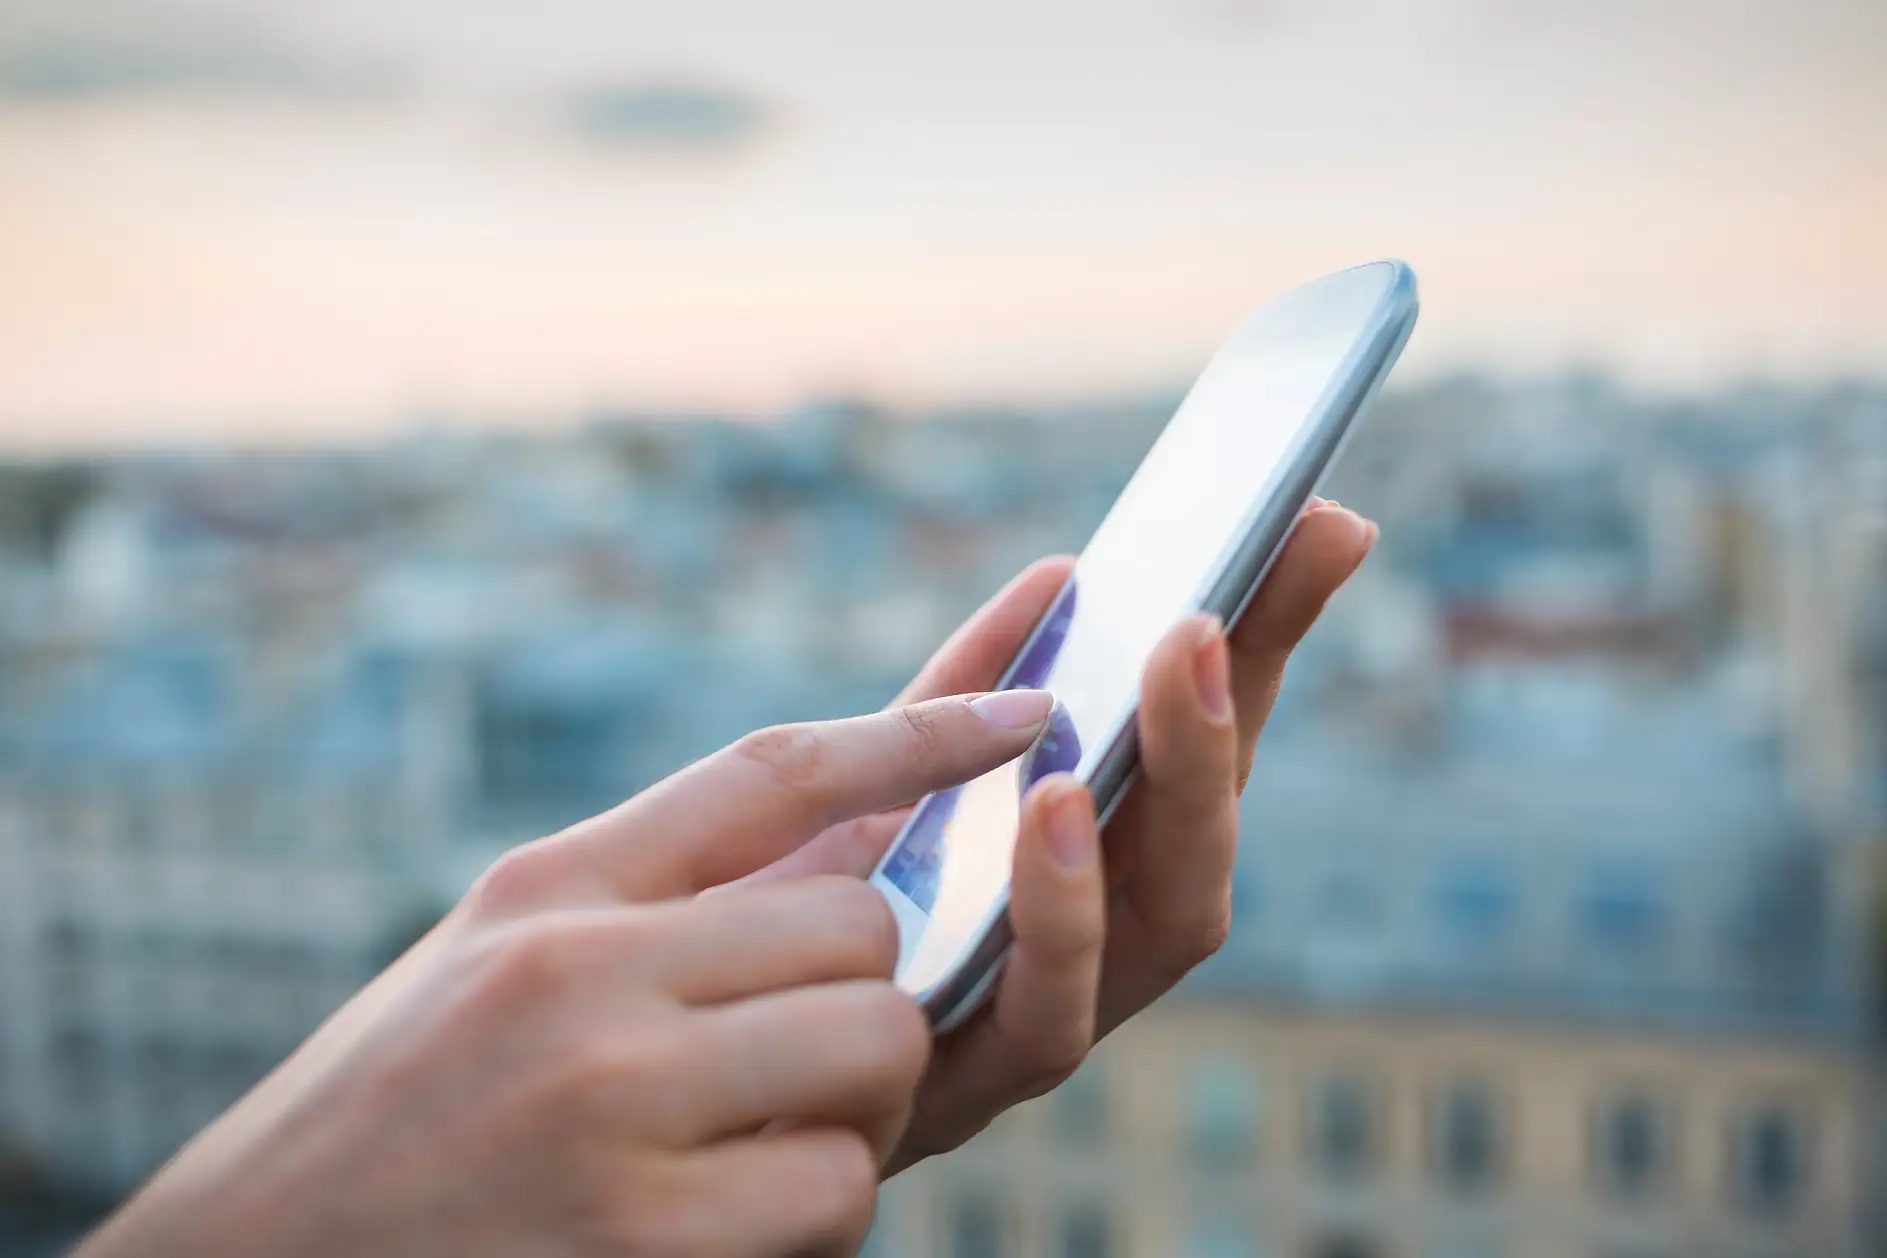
<point x="1199" y="936"/>
<point x="850" y="1170"/>
<point x="900" y="1036"/>
<point x="1050" y="1059"/>
<point x="869" y="930"/>
<point x="792" y="756"/>
<point x="924" y="726"/>
<point x="532" y="963"/>
<point x="1072" y="939"/>
<point x="588" y="1071"/>
<point x="657" y="1212"/>
<point x="628" y="934"/>
<point x="1215" y="932"/>
<point x="632" y="1081"/>
<point x="520" y="879"/>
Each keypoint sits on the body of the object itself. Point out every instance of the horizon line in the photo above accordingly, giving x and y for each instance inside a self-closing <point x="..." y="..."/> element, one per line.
<point x="420" y="423"/>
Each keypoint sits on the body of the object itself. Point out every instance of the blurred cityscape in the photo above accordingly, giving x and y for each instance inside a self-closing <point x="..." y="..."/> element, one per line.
<point x="1559" y="906"/>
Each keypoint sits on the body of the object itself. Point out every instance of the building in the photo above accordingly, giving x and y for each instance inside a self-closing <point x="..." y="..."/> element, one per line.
<point x="1214" y="1130"/>
<point x="263" y="717"/>
<point x="1560" y="903"/>
<point x="1530" y="1001"/>
<point x="187" y="895"/>
<point x="1557" y="907"/>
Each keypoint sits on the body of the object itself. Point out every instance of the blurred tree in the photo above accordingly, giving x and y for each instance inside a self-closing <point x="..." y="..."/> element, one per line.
<point x="39" y="1212"/>
<point x="38" y="502"/>
<point x="1880" y="953"/>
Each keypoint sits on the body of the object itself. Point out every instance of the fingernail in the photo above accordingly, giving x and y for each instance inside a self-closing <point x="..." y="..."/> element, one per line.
<point x="1332" y="502"/>
<point x="1014" y="709"/>
<point x="1314" y="503"/>
<point x="1069" y="839"/>
<point x="1211" y="673"/>
<point x="1373" y="529"/>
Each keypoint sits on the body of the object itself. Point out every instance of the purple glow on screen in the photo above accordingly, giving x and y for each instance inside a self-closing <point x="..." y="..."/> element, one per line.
<point x="916" y="865"/>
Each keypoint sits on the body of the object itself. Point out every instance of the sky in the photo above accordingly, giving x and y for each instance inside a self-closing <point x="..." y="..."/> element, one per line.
<point x="241" y="221"/>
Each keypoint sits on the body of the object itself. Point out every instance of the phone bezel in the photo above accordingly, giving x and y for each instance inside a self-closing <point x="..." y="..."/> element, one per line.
<point x="1236" y="579"/>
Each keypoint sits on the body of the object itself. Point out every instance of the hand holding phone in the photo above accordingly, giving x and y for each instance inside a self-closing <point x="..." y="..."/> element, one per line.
<point x="614" y="1043"/>
<point x="1195" y="531"/>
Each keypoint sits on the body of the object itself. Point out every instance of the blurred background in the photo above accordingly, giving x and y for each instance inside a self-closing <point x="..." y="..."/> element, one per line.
<point x="423" y="424"/>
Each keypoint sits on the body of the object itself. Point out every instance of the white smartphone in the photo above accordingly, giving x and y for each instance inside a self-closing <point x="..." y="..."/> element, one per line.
<point x="1195" y="530"/>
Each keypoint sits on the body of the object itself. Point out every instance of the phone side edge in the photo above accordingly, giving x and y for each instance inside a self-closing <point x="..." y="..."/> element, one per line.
<point x="951" y="1000"/>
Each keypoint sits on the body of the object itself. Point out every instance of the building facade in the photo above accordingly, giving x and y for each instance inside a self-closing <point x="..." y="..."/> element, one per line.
<point x="1218" y="1130"/>
<point x="1559" y="902"/>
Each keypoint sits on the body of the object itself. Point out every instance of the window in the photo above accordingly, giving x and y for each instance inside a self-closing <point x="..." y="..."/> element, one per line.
<point x="72" y="950"/>
<point x="1622" y="909"/>
<point x="1221" y="1235"/>
<point x="1465" y="1137"/>
<point x="82" y="1067"/>
<point x="1086" y="1232"/>
<point x="1770" y="1159"/>
<point x="1777" y="918"/>
<point x="1631" y="1145"/>
<point x="1348" y="906"/>
<point x="978" y="1227"/>
<point x="1474" y="901"/>
<point x="1078" y="1108"/>
<point x="1345" y="1245"/>
<point x="1467" y="1247"/>
<point x="1342" y="1126"/>
<point x="1224" y="1112"/>
<point x="68" y="941"/>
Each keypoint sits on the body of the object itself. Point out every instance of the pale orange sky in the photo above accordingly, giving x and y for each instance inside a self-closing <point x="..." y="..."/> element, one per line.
<point x="382" y="211"/>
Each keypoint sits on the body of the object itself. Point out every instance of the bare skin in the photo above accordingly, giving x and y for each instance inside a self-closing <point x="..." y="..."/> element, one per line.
<point x="1100" y="937"/>
<point x="589" y="1056"/>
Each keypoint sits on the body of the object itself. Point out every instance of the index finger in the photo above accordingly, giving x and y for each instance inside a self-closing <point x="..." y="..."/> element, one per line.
<point x="749" y="804"/>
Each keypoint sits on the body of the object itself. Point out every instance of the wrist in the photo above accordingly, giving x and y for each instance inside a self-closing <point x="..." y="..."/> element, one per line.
<point x="193" y="1208"/>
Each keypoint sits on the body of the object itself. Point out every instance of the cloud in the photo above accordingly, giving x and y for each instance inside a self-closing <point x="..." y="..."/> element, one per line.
<point x="668" y="116"/>
<point x="72" y="51"/>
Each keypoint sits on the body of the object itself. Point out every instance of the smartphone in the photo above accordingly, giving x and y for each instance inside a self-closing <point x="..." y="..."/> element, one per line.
<point x="1195" y="530"/>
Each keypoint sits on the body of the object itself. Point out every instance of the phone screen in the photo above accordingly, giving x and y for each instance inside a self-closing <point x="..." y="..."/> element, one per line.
<point x="1152" y="561"/>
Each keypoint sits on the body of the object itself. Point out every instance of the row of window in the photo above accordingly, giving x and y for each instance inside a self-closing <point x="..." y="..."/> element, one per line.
<point x="148" y="820"/>
<point x="84" y="1059"/>
<point x="978" y="1225"/>
<point x="1476" y="903"/>
<point x="1469" y="1133"/>
<point x="68" y="941"/>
